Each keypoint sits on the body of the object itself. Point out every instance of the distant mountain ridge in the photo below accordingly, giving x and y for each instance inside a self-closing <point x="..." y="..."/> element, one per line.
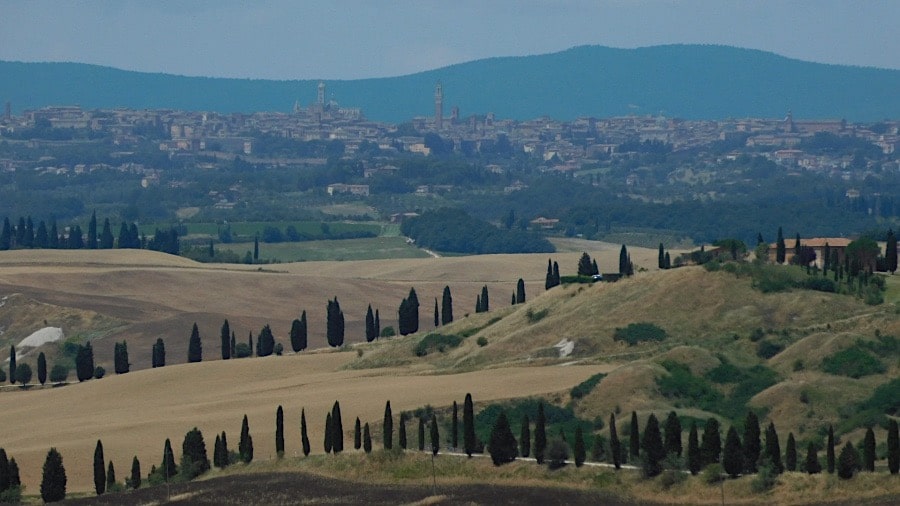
<point x="685" y="81"/>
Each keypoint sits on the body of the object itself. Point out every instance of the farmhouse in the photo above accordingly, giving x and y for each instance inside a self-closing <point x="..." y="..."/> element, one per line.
<point x="836" y="245"/>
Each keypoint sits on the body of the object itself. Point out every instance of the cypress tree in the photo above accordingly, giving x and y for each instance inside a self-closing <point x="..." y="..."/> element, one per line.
<point x="797" y="248"/>
<point x="694" y="458"/>
<point x="193" y="454"/>
<point x="15" y="481"/>
<point x="711" y="444"/>
<point x="548" y="279"/>
<point x="780" y="249"/>
<point x="437" y="315"/>
<point x="890" y="253"/>
<point x="337" y="429"/>
<point x="265" y="342"/>
<point x="634" y="447"/>
<point x="42" y="368"/>
<point x="232" y="344"/>
<point x="279" y="432"/>
<point x="869" y="451"/>
<point x="335" y="324"/>
<point x="40" y="238"/>
<point x="367" y="439"/>
<point x="485" y="300"/>
<point x="159" y="353"/>
<point x="673" y="434"/>
<point x="329" y="445"/>
<point x="520" y="291"/>
<point x="893" y="444"/>
<point x="53" y="235"/>
<point x="303" y="330"/>
<point x="790" y="453"/>
<point x="135" y="481"/>
<point x="623" y="261"/>
<point x="245" y="445"/>
<point x="446" y="307"/>
<point x="106" y="237"/>
<point x="99" y="469"/>
<point x="217" y="452"/>
<point x="829" y="455"/>
<point x="304" y="437"/>
<point x="84" y="362"/>
<point x="377" y="324"/>
<point x="168" y="464"/>
<point x="584" y="265"/>
<point x="4" y="471"/>
<point x="654" y="451"/>
<point x="513" y="300"/>
<point x="413" y="300"/>
<point x="110" y="476"/>
<point x="478" y="303"/>
<point x="357" y="435"/>
<point x="502" y="446"/>
<point x="6" y="235"/>
<point x="812" y="460"/>
<point x="454" y="427"/>
<point x="250" y="342"/>
<point x="662" y="257"/>
<point x="370" y="325"/>
<point x="469" y="425"/>
<point x="752" y="446"/>
<point x="295" y="335"/>
<point x="195" y="348"/>
<point x="579" y="451"/>
<point x="121" y="358"/>
<point x="848" y="462"/>
<point x="732" y="456"/>
<point x="556" y="279"/>
<point x="540" y="434"/>
<point x="773" y="449"/>
<point x="525" y="437"/>
<point x="53" y="479"/>
<point x="225" y="337"/>
<point x="615" y="447"/>
<point x="421" y="434"/>
<point x="387" y="435"/>
<point x="435" y="438"/>
<point x="226" y="456"/>
<point x="12" y="364"/>
<point x="256" y="247"/>
<point x="92" y="232"/>
<point x="401" y="433"/>
<point x="594" y="268"/>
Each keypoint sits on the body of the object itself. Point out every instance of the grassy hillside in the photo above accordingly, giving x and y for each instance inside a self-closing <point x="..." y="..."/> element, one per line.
<point x="689" y="81"/>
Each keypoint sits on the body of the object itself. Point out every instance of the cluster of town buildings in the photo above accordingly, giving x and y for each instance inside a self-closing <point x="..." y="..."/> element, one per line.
<point x="562" y="145"/>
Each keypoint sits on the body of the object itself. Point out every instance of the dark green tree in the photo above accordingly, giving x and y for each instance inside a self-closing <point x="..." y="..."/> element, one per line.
<point x="421" y="434"/>
<point x="790" y="453"/>
<point x="120" y="356"/>
<point x="159" y="353"/>
<point x="893" y="447"/>
<point x="370" y="325"/>
<point x="195" y="348"/>
<point x="694" y="458"/>
<point x="377" y="324"/>
<point x="868" y="460"/>
<point x="335" y="324"/>
<point x="304" y="437"/>
<point x="540" y="434"/>
<point x="226" y="455"/>
<point x="15" y="480"/>
<point x="673" y="434"/>
<point x="4" y="471"/>
<point x="53" y="479"/>
<point x="780" y="249"/>
<point x="41" y="240"/>
<point x="265" y="342"/>
<point x="401" y="432"/>
<point x="298" y="339"/>
<point x="623" y="261"/>
<point x="387" y="434"/>
<point x="92" y="232"/>
<point x="469" y="441"/>
<point x="520" y="291"/>
<point x="6" y="235"/>
<point x="217" y="452"/>
<point x="12" y="363"/>
<point x="367" y="439"/>
<point x="446" y="307"/>
<point x="135" y="481"/>
<point x="225" y="337"/>
<point x="890" y="251"/>
<point x="654" y="450"/>
<point x="556" y="279"/>
<point x="42" y="368"/>
<point x="711" y="444"/>
<point x="502" y="446"/>
<point x="329" y="445"/>
<point x="23" y="374"/>
<point x="53" y="235"/>
<point x="256" y="247"/>
<point x="829" y="447"/>
<point x="548" y="280"/>
<point x="357" y="435"/>
<point x="662" y="257"/>
<point x="106" y="237"/>
<point x="245" y="445"/>
<point x="615" y="447"/>
<point x="848" y="462"/>
<point x="513" y="300"/>
<point x="437" y="314"/>
<point x="435" y="437"/>
<point x="454" y="427"/>
<point x="194" y="461"/>
<point x="485" y="300"/>
<point x="579" y="451"/>
<point x="752" y="445"/>
<point x="634" y="442"/>
<point x="732" y="456"/>
<point x="773" y="449"/>
<point x="168" y="467"/>
<point x="525" y="437"/>
<point x="84" y="362"/>
<point x="812" y="460"/>
<point x="279" y="432"/>
<point x="337" y="429"/>
<point x="99" y="469"/>
<point x="584" y="265"/>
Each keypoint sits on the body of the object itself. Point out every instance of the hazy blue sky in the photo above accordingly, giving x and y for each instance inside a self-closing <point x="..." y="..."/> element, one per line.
<point x="295" y="39"/>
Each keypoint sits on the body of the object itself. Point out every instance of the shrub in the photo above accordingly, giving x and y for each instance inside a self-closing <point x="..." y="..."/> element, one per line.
<point x="819" y="284"/>
<point x="59" y="373"/>
<point x="854" y="362"/>
<point x="713" y="473"/>
<point x="557" y="453"/>
<point x="765" y="479"/>
<point x="23" y="374"/>
<point x="768" y="349"/>
<point x="681" y="384"/>
<point x="586" y="386"/>
<point x="439" y="342"/>
<point x="757" y="334"/>
<point x="279" y="349"/>
<point x="637" y="332"/>
<point x="388" y="332"/>
<point x="99" y="372"/>
<point x="242" y="350"/>
<point x="482" y="341"/>
<point x="536" y="316"/>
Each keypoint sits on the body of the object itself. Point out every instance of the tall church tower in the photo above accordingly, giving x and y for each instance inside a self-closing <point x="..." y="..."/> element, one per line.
<point x="320" y="97"/>
<point x="439" y="106"/>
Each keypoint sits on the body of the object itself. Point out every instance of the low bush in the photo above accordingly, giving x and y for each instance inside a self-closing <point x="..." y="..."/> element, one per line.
<point x="481" y="341"/>
<point x="768" y="349"/>
<point x="388" y="332"/>
<point x="439" y="342"/>
<point x="59" y="373"/>
<point x="854" y="362"/>
<point x="635" y="333"/>
<point x="585" y="387"/>
<point x="242" y="350"/>
<point x="693" y="390"/>
<point x="536" y="316"/>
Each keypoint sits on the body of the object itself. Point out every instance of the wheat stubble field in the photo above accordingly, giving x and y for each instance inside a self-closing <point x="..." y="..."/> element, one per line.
<point x="157" y="295"/>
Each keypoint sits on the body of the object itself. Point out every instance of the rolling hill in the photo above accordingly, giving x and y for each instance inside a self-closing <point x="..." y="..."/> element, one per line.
<point x="687" y="81"/>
